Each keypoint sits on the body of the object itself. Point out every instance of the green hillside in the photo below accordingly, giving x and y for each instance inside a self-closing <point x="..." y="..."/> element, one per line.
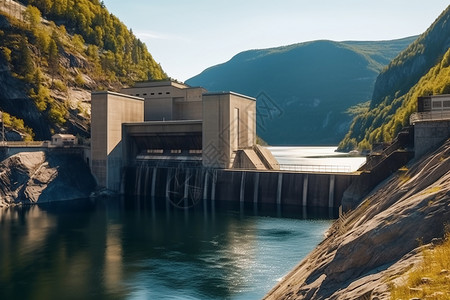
<point x="53" y="53"/>
<point x="422" y="69"/>
<point x="304" y="90"/>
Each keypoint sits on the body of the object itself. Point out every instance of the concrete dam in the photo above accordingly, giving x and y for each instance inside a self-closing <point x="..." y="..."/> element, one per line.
<point x="184" y="145"/>
<point x="187" y="187"/>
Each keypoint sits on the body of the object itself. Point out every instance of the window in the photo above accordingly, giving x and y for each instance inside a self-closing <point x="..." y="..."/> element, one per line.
<point x="175" y="151"/>
<point x="155" y="151"/>
<point x="446" y="104"/>
<point x="437" y="104"/>
<point x="167" y="93"/>
<point x="152" y="94"/>
<point x="145" y="94"/>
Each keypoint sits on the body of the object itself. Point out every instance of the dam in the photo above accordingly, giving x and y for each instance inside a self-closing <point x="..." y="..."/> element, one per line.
<point x="187" y="146"/>
<point x="167" y="140"/>
<point x="186" y="187"/>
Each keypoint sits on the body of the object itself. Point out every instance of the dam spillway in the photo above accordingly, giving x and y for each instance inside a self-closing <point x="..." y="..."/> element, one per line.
<point x="188" y="186"/>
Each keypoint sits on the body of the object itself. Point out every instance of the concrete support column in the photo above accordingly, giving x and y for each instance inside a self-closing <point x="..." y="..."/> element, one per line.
<point x="279" y="188"/>
<point x="205" y="186"/>
<point x="213" y="188"/>
<point x="153" y="192"/>
<point x="186" y="187"/>
<point x="169" y="173"/>
<point x="256" y="188"/>
<point x="331" y="191"/>
<point x="242" y="190"/>
<point x="147" y="171"/>
<point x="305" y="190"/>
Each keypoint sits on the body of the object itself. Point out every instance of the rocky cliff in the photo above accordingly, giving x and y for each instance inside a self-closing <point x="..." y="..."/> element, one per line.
<point x="36" y="177"/>
<point x="380" y="240"/>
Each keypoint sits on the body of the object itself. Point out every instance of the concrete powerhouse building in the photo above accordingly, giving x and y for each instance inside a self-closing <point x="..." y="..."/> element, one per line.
<point x="169" y="123"/>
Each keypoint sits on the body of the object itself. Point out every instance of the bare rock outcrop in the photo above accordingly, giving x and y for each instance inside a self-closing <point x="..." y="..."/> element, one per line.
<point x="35" y="177"/>
<point x="379" y="240"/>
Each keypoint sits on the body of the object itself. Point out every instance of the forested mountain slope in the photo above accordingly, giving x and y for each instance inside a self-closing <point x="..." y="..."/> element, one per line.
<point x="53" y="53"/>
<point x="304" y="90"/>
<point x="421" y="69"/>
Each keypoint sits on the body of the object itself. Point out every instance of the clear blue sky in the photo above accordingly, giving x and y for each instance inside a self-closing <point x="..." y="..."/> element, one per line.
<point x="186" y="37"/>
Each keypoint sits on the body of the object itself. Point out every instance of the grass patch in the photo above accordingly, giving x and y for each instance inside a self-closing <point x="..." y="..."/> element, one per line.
<point x="431" y="190"/>
<point x="431" y="279"/>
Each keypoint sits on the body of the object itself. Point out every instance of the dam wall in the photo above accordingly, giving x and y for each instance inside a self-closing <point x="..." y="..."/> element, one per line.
<point x="190" y="186"/>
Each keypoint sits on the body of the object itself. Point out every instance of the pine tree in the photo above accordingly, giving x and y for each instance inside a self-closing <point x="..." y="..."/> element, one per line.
<point x="53" y="59"/>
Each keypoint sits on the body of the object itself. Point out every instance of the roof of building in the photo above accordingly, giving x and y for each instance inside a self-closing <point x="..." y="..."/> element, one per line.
<point x="229" y="93"/>
<point x="63" y="135"/>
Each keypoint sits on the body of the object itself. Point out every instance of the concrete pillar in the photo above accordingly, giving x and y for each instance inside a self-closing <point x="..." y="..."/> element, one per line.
<point x="138" y="179"/>
<point x="186" y="187"/>
<point x="256" y="188"/>
<point x="279" y="187"/>
<point x="242" y="191"/>
<point x="153" y="192"/>
<point x="169" y="173"/>
<point x="305" y="190"/>
<point x="331" y="191"/>
<point x="213" y="188"/>
<point x="205" y="186"/>
<point x="147" y="171"/>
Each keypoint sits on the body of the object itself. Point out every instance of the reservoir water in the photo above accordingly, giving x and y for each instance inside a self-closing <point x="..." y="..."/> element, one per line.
<point x="124" y="249"/>
<point x="108" y="249"/>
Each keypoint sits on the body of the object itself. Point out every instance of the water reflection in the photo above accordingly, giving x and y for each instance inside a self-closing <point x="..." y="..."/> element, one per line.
<point x="124" y="249"/>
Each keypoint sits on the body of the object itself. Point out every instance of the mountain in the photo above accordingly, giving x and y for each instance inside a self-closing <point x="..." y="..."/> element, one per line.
<point x="421" y="69"/>
<point x="53" y="53"/>
<point x="304" y="90"/>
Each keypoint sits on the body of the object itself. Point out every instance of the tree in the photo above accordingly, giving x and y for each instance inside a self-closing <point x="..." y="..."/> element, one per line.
<point x="33" y="17"/>
<point x="23" y="60"/>
<point x="53" y="59"/>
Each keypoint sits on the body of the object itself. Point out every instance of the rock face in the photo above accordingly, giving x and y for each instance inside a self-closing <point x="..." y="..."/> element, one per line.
<point x="35" y="177"/>
<point x="379" y="240"/>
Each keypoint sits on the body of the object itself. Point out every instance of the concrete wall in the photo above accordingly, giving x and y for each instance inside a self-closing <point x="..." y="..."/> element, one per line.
<point x="429" y="134"/>
<point x="168" y="100"/>
<point x="241" y="186"/>
<point x="108" y="112"/>
<point x="228" y="125"/>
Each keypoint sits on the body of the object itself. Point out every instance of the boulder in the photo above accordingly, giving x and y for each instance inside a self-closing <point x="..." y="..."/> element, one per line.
<point x="380" y="239"/>
<point x="36" y="177"/>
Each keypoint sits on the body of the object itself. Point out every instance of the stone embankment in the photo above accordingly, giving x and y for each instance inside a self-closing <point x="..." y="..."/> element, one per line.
<point x="37" y="177"/>
<point x="373" y="246"/>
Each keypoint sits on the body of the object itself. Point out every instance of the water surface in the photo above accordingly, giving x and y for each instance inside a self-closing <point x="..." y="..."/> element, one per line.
<point x="112" y="250"/>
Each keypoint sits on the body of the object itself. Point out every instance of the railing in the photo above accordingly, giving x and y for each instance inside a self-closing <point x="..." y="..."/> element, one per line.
<point x="429" y="116"/>
<point x="316" y="168"/>
<point x="24" y="144"/>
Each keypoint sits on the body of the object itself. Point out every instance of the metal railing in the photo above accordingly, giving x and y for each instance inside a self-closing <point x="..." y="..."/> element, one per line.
<point x="316" y="168"/>
<point x="429" y="116"/>
<point x="24" y="144"/>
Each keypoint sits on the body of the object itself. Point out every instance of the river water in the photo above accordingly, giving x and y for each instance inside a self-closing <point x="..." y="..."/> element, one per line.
<point x="121" y="249"/>
<point x="108" y="249"/>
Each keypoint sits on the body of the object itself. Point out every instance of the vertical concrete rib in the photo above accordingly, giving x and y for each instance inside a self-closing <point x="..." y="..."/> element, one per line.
<point x="279" y="188"/>
<point x="186" y="187"/>
<point x="213" y="188"/>
<point x="331" y="191"/>
<point x="256" y="188"/>
<point x="305" y="190"/>
<point x="242" y="190"/>
<point x="153" y="192"/>
<point x="168" y="182"/>
<point x="205" y="185"/>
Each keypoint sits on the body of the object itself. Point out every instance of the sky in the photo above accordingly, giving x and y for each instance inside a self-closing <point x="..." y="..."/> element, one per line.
<point x="188" y="36"/>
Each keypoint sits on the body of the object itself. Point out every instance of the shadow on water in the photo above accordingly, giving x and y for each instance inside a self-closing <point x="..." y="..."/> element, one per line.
<point x="126" y="248"/>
